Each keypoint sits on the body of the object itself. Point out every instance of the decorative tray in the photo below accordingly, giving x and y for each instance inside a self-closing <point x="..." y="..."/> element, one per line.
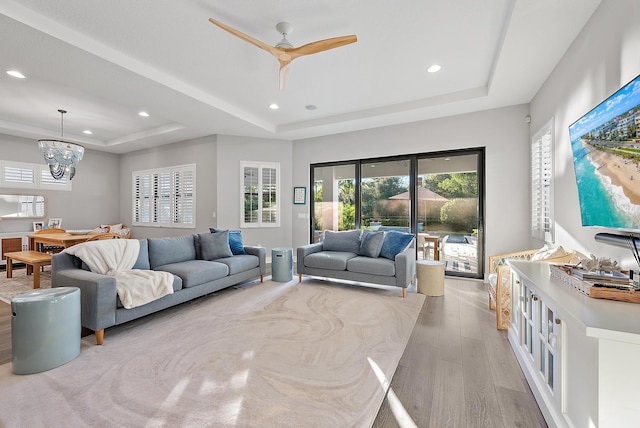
<point x="610" y="291"/>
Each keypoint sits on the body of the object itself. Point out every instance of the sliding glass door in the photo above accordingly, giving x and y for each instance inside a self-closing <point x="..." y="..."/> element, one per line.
<point x="334" y="198"/>
<point x="449" y="214"/>
<point x="437" y="196"/>
<point x="384" y="189"/>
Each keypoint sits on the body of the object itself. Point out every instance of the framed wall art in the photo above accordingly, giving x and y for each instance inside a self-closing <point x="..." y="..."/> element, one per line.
<point x="299" y="195"/>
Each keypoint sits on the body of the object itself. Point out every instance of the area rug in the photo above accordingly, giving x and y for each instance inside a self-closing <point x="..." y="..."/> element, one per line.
<point x="21" y="283"/>
<point x="314" y="354"/>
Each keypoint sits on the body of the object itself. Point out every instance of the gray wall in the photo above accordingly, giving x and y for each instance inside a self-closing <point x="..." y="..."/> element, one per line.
<point x="93" y="200"/>
<point x="604" y="57"/>
<point x="202" y="152"/>
<point x="504" y="134"/>
<point x="232" y="150"/>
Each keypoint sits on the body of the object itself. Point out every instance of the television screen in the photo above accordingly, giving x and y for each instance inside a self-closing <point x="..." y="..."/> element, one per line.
<point x="606" y="158"/>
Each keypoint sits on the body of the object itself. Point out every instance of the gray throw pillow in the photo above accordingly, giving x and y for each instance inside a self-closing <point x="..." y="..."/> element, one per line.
<point x="215" y="245"/>
<point x="371" y="244"/>
<point x="347" y="241"/>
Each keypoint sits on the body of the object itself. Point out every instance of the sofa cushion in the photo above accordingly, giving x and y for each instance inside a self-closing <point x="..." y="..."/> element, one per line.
<point x="394" y="243"/>
<point x="235" y="240"/>
<point x="215" y="245"/>
<point x="143" y="256"/>
<point x="240" y="263"/>
<point x="196" y="272"/>
<point x="371" y="244"/>
<point x="379" y="266"/>
<point x="164" y="251"/>
<point x="333" y="260"/>
<point x="346" y="241"/>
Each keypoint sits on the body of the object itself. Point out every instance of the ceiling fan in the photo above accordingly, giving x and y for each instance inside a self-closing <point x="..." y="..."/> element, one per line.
<point x="284" y="50"/>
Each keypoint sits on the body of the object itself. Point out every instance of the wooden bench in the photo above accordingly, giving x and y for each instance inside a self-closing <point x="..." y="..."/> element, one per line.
<point x="34" y="261"/>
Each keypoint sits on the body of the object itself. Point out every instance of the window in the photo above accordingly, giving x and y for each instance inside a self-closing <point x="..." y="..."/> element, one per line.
<point x="165" y="197"/>
<point x="542" y="183"/>
<point x="30" y="176"/>
<point x="261" y="194"/>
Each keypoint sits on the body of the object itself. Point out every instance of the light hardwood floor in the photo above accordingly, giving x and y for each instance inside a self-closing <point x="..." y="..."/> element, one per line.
<point x="456" y="371"/>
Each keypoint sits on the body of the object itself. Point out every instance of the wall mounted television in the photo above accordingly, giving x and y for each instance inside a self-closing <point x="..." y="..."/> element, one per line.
<point x="606" y="157"/>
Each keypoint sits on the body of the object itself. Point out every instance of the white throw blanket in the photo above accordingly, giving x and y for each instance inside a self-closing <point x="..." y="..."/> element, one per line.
<point x="116" y="257"/>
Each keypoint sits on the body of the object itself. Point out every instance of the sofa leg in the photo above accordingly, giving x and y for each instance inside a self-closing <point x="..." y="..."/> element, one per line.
<point x="261" y="278"/>
<point x="100" y="336"/>
<point x="404" y="293"/>
<point x="299" y="277"/>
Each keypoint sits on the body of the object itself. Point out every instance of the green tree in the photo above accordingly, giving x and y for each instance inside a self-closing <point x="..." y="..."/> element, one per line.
<point x="456" y="185"/>
<point x="347" y="199"/>
<point x="460" y="214"/>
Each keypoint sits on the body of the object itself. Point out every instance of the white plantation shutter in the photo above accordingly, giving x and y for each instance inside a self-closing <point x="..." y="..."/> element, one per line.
<point x="30" y="176"/>
<point x="542" y="183"/>
<point x="183" y="194"/>
<point x="260" y="194"/>
<point x="164" y="197"/>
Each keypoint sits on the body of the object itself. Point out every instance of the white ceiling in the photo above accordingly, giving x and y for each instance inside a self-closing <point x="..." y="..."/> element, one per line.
<point x="104" y="61"/>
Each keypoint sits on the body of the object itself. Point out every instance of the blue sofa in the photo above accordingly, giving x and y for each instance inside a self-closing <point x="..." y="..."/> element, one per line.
<point x="385" y="258"/>
<point x="200" y="264"/>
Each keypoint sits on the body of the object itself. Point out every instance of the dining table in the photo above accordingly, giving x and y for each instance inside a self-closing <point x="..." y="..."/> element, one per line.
<point x="65" y="240"/>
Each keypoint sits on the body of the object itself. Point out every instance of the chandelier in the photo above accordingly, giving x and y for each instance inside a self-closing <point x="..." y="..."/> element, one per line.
<point x="62" y="156"/>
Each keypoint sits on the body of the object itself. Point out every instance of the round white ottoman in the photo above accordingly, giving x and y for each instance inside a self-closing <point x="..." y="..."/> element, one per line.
<point x="430" y="277"/>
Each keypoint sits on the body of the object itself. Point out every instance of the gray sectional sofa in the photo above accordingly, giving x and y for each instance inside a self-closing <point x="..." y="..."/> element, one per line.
<point x="385" y="258"/>
<point x="200" y="265"/>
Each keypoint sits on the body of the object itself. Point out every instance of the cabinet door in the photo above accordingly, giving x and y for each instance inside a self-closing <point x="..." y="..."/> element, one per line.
<point x="10" y="245"/>
<point x="548" y="346"/>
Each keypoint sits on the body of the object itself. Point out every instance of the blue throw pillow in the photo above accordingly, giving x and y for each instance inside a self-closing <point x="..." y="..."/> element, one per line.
<point x="215" y="245"/>
<point x="394" y="243"/>
<point x="235" y="240"/>
<point x="371" y="244"/>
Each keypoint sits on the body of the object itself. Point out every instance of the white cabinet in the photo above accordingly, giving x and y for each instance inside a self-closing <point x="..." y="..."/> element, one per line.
<point x="578" y="354"/>
<point x="536" y="335"/>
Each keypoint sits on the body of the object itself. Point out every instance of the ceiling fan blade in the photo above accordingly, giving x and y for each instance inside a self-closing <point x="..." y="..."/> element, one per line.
<point x="320" y="46"/>
<point x="284" y="74"/>
<point x="271" y="49"/>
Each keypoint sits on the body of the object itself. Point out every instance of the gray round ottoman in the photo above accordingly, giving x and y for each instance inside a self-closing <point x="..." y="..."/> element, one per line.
<point x="45" y="329"/>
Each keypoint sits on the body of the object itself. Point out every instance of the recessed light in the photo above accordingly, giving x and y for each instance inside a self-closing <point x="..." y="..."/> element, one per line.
<point x="143" y="114"/>
<point x="87" y="131"/>
<point x="434" y="68"/>
<point x="16" y="74"/>
<point x="274" y="106"/>
<point x="310" y="107"/>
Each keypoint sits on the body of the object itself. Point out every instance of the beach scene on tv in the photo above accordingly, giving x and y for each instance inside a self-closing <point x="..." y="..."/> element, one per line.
<point x="606" y="156"/>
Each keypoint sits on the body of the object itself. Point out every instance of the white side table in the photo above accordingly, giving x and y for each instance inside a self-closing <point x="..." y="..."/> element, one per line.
<point x="430" y="277"/>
